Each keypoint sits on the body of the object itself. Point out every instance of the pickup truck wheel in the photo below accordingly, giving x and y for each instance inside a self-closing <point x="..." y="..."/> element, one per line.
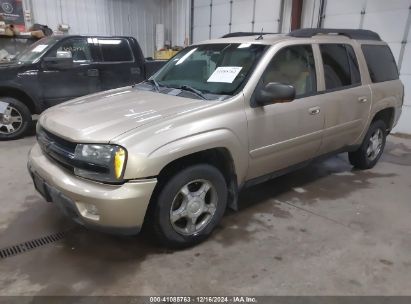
<point x="16" y="119"/>
<point x="189" y="206"/>
<point x="372" y="147"/>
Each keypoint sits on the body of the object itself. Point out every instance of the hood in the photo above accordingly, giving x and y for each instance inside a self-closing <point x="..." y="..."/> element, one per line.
<point x="13" y="65"/>
<point x="100" y="117"/>
<point x="8" y="65"/>
<point x="8" y="69"/>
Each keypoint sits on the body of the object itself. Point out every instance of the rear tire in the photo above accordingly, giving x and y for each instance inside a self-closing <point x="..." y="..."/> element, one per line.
<point x="15" y="121"/>
<point x="370" y="151"/>
<point x="188" y="206"/>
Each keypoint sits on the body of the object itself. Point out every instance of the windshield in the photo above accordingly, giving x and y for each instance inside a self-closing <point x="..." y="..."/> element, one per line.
<point x="214" y="69"/>
<point x="36" y="50"/>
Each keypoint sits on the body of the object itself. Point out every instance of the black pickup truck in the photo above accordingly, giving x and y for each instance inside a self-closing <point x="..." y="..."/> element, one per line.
<point x="59" y="68"/>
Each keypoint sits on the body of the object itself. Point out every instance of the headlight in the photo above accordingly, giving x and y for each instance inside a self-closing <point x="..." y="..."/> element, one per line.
<point x="105" y="163"/>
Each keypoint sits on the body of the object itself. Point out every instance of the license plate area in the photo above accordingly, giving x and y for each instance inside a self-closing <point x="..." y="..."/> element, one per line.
<point x="40" y="186"/>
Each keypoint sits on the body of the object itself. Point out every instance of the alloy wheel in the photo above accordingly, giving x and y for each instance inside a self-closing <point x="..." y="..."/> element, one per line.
<point x="193" y="207"/>
<point x="375" y="144"/>
<point x="10" y="121"/>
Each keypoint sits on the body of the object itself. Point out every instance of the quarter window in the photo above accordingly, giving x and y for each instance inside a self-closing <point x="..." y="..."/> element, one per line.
<point x="115" y="50"/>
<point x="340" y="66"/>
<point x="293" y="65"/>
<point x="381" y="63"/>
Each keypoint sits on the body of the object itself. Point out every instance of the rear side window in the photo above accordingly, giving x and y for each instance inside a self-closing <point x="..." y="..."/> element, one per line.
<point x="340" y="66"/>
<point x="381" y="63"/>
<point x="115" y="50"/>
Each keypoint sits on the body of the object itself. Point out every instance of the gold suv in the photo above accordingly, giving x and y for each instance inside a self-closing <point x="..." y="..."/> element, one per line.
<point x="170" y="154"/>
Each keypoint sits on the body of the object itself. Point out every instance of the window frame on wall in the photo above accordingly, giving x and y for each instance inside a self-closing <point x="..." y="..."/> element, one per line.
<point x="355" y="76"/>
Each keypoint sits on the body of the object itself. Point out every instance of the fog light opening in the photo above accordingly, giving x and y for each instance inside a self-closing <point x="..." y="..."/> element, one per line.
<point x="91" y="212"/>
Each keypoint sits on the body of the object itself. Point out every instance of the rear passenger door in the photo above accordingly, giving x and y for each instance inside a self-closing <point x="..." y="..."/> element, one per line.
<point x="117" y="65"/>
<point x="347" y="102"/>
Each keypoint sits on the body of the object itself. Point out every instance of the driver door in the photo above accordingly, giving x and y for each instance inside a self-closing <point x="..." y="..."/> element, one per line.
<point x="63" y="83"/>
<point x="285" y="134"/>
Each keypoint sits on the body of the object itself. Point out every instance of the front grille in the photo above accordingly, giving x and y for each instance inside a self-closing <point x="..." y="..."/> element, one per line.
<point x="63" y="152"/>
<point x="57" y="148"/>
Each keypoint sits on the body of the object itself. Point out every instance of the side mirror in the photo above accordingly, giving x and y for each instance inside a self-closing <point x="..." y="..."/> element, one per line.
<point x="274" y="92"/>
<point x="64" y="54"/>
<point x="58" y="63"/>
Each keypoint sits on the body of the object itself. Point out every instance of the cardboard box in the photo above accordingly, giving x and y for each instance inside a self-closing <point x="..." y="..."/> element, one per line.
<point x="37" y="34"/>
<point x="164" y="55"/>
<point x="9" y="32"/>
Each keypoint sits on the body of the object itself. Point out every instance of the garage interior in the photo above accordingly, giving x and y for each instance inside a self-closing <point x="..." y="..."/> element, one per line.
<point x="326" y="229"/>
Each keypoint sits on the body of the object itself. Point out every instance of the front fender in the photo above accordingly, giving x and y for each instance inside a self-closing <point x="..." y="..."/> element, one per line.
<point x="9" y="88"/>
<point x="140" y="166"/>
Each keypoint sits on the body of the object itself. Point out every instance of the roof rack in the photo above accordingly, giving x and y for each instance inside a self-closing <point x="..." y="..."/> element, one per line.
<point x="242" y="34"/>
<point x="350" y="33"/>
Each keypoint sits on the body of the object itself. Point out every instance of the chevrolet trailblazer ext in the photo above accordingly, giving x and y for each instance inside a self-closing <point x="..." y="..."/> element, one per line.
<point x="170" y="155"/>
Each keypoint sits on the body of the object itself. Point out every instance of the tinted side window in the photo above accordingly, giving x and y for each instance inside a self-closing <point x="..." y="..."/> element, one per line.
<point x="293" y="65"/>
<point x="115" y="50"/>
<point x="340" y="66"/>
<point x="381" y="63"/>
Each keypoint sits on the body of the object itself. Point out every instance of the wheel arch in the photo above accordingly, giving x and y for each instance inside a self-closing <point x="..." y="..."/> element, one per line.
<point x="219" y="157"/>
<point x="387" y="115"/>
<point x="20" y="95"/>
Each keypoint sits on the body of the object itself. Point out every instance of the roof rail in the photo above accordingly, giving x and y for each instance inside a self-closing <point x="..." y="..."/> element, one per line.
<point x="350" y="33"/>
<point x="242" y="34"/>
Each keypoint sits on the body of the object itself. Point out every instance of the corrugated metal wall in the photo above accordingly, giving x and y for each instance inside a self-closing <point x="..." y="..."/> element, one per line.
<point x="178" y="21"/>
<point x="135" y="18"/>
<point x="215" y="18"/>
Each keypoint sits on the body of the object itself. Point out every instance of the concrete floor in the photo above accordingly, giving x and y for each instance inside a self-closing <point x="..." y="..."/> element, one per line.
<point x="324" y="230"/>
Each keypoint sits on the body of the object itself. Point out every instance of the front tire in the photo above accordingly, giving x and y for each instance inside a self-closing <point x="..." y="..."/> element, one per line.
<point x="189" y="206"/>
<point x="15" y="121"/>
<point x="370" y="151"/>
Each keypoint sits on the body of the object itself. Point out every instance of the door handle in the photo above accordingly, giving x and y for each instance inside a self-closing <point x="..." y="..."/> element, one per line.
<point x="135" y="70"/>
<point x="314" y="111"/>
<point x="362" y="99"/>
<point x="93" y="73"/>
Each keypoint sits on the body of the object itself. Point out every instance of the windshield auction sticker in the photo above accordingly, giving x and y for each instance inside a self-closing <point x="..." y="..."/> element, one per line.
<point x="224" y="74"/>
<point x="40" y="48"/>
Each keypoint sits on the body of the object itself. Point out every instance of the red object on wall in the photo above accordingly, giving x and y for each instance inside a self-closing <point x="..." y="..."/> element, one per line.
<point x="296" y="13"/>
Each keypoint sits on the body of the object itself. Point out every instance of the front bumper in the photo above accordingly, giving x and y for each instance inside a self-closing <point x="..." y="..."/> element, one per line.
<point x="113" y="208"/>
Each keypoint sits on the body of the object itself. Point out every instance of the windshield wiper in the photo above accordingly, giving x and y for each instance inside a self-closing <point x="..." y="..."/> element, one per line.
<point x="154" y="83"/>
<point x="192" y="90"/>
